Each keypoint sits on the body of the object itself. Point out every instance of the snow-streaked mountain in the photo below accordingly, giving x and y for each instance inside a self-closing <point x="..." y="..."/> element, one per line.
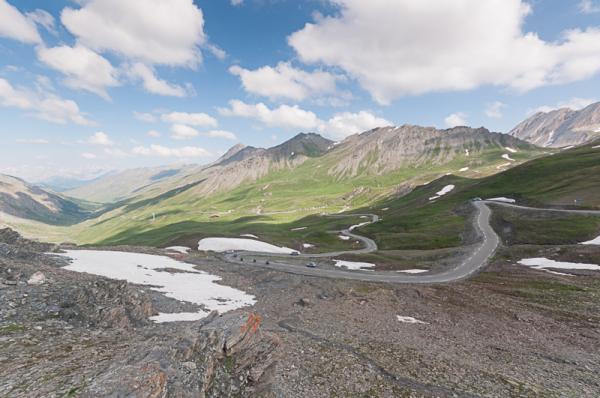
<point x="560" y="127"/>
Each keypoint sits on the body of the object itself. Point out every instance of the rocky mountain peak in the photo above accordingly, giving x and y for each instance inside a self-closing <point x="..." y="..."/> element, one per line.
<point x="231" y="152"/>
<point x="560" y="127"/>
<point x="307" y="144"/>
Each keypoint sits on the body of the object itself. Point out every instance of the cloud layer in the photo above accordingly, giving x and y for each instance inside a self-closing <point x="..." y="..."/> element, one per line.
<point x="408" y="48"/>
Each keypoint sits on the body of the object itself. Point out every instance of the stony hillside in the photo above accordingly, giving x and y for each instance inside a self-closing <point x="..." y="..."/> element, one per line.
<point x="386" y="149"/>
<point x="561" y="127"/>
<point x="25" y="201"/>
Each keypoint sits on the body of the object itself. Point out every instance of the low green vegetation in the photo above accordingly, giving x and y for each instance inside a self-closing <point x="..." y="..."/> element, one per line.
<point x="275" y="206"/>
<point x="11" y="328"/>
<point x="516" y="226"/>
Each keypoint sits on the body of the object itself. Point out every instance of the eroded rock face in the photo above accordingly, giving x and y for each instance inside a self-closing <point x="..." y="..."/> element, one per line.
<point x="225" y="355"/>
<point x="89" y="336"/>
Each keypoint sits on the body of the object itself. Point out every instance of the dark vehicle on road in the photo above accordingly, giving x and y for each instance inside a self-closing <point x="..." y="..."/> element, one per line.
<point x="312" y="264"/>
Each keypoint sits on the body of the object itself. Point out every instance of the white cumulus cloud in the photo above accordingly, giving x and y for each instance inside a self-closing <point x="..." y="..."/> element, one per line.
<point x="406" y="47"/>
<point x="167" y="32"/>
<point x="344" y="124"/>
<point x="192" y="119"/>
<point x="166" y="152"/>
<point x="15" y="25"/>
<point x="42" y="104"/>
<point x="83" y="68"/>
<point x="228" y="135"/>
<point x="152" y="83"/>
<point x="283" y="116"/>
<point x="456" y="119"/>
<point x="285" y="81"/>
<point x="338" y="126"/>
<point x="183" y="132"/>
<point x="100" y="138"/>
<point x="494" y="109"/>
<point x="575" y="104"/>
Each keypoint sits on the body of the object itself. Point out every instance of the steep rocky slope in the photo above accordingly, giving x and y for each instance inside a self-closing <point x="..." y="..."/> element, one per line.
<point x="67" y="334"/>
<point x="386" y="149"/>
<point x="22" y="200"/>
<point x="561" y="127"/>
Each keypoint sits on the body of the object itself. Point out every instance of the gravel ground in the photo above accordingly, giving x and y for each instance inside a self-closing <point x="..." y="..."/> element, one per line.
<point x="508" y="331"/>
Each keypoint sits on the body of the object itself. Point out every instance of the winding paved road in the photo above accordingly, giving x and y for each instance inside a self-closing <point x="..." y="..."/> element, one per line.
<point x="478" y="259"/>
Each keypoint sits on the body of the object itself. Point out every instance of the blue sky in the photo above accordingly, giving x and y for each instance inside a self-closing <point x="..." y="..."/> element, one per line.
<point x="95" y="85"/>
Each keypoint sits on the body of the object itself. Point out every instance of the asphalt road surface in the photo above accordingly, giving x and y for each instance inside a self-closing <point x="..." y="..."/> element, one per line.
<point x="478" y="259"/>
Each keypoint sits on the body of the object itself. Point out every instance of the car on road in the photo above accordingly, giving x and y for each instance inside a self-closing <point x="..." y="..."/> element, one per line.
<point x="294" y="254"/>
<point x="267" y="262"/>
<point x="312" y="264"/>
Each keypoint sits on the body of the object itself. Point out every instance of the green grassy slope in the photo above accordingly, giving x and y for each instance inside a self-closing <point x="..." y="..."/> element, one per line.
<point x="278" y="202"/>
<point x="413" y="222"/>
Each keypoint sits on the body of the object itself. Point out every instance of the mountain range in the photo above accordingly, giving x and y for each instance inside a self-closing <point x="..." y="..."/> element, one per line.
<point x="305" y="175"/>
<point x="561" y="127"/>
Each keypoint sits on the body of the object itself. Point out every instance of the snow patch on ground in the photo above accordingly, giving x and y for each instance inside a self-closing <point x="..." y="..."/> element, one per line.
<point x="464" y="169"/>
<point x="298" y="229"/>
<point x="344" y="237"/>
<point x="409" y="319"/>
<point x="500" y="166"/>
<point x="509" y="149"/>
<point x="189" y="284"/>
<point x="466" y="152"/>
<point x="178" y="249"/>
<point x="413" y="271"/>
<point x="568" y="147"/>
<point x="307" y="245"/>
<point x="542" y="263"/>
<point x="352" y="264"/>
<point x="592" y="242"/>
<point x="249" y="236"/>
<point x="224" y="244"/>
<point x="502" y="199"/>
<point x="442" y="192"/>
<point x="596" y="147"/>
<point x="507" y="157"/>
<point x="385" y="209"/>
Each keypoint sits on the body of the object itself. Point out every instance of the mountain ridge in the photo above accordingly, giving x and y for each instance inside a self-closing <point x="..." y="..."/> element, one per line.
<point x="560" y="127"/>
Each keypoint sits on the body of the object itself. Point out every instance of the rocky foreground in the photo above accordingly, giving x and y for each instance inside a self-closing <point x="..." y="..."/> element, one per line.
<point x="68" y="334"/>
<point x="507" y="332"/>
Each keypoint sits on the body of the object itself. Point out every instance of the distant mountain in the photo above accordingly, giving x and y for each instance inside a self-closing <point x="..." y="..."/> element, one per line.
<point x="22" y="200"/>
<point x="117" y="186"/>
<point x="240" y="163"/>
<point x="561" y="127"/>
<point x="307" y="174"/>
<point x="62" y="184"/>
